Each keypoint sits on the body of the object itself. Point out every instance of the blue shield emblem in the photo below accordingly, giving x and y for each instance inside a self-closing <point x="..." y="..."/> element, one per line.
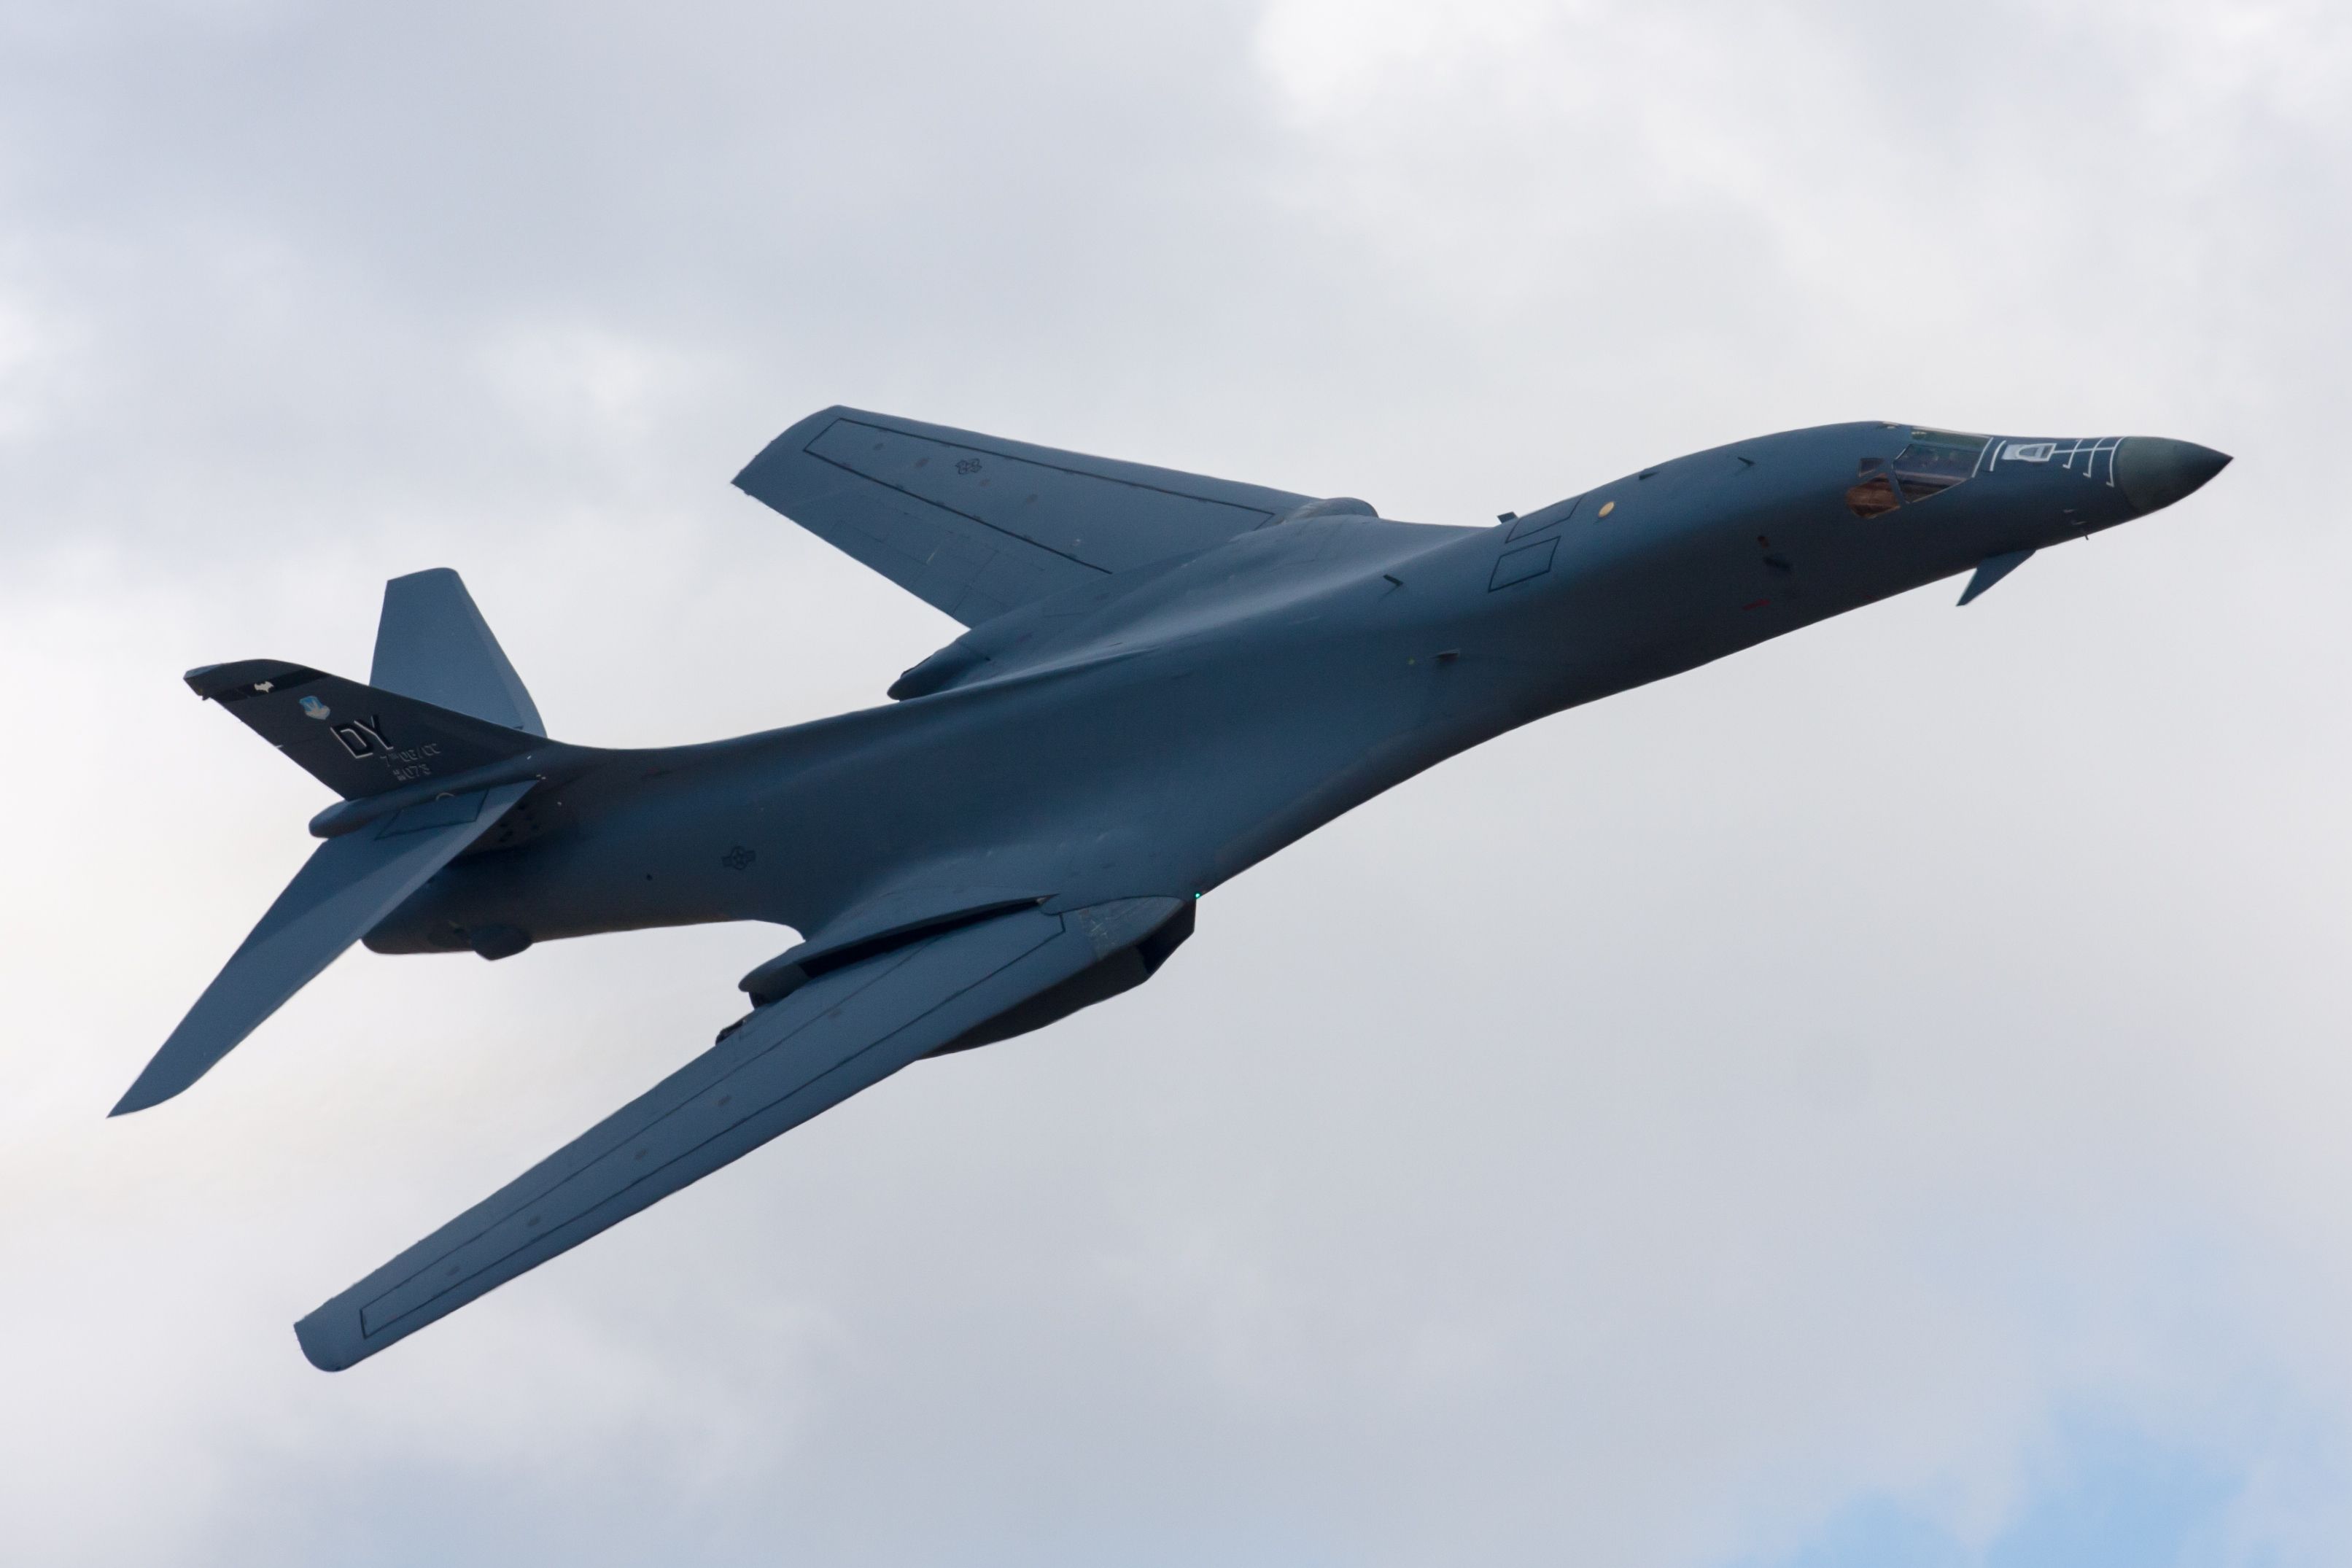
<point x="314" y="708"/>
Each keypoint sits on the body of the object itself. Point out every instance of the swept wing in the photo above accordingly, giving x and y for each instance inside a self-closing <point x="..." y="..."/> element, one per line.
<point x="840" y="1033"/>
<point x="976" y="525"/>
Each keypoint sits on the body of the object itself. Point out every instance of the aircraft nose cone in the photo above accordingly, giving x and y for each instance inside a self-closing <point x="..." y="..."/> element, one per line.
<point x="2154" y="472"/>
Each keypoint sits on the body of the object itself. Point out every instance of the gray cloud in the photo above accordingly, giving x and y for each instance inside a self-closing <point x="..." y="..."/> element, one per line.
<point x="1824" y="1077"/>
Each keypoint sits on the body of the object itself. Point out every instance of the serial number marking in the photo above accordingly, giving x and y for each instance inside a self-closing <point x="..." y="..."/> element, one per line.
<point x="411" y="763"/>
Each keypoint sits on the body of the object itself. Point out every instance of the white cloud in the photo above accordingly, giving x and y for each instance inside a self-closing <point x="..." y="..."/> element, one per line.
<point x="1814" y="1079"/>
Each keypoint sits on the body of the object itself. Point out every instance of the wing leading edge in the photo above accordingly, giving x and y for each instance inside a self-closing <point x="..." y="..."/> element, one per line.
<point x="976" y="525"/>
<point x="841" y="1033"/>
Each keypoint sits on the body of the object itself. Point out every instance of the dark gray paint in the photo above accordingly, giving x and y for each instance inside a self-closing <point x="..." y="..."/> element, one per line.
<point x="432" y="644"/>
<point x="974" y="525"/>
<point x="786" y="1063"/>
<point x="1991" y="570"/>
<point x="343" y="889"/>
<point x="1167" y="678"/>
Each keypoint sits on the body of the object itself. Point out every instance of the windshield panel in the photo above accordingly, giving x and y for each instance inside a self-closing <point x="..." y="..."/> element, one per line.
<point x="1933" y="462"/>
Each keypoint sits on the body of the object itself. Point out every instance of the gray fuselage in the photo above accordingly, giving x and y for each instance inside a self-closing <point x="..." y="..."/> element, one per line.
<point x="1163" y="731"/>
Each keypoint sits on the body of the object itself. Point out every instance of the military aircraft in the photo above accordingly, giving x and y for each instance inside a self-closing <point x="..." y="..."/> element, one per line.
<point x="1166" y="677"/>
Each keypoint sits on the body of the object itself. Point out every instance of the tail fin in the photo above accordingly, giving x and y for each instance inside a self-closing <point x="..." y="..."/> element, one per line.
<point x="441" y="699"/>
<point x="358" y="740"/>
<point x="433" y="644"/>
<point x="444" y="704"/>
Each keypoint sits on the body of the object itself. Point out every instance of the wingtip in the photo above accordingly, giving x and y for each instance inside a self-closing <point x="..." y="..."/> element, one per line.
<point x="165" y="1077"/>
<point x="792" y="438"/>
<point x="323" y="1345"/>
<point x="139" y="1095"/>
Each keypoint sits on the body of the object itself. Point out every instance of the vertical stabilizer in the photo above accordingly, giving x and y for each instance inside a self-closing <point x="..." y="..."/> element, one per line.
<point x="433" y="644"/>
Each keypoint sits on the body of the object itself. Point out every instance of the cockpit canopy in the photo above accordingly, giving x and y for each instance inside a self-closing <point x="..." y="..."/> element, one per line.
<point x="1933" y="463"/>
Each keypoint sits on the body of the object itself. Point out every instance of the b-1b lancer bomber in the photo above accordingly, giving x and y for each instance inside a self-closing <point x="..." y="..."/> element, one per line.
<point x="1165" y="678"/>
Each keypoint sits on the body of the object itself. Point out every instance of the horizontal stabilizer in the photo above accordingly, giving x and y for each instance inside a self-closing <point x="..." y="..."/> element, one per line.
<point x="976" y="525"/>
<point x="346" y="885"/>
<point x="840" y="1033"/>
<point x="432" y="644"/>
<point x="357" y="740"/>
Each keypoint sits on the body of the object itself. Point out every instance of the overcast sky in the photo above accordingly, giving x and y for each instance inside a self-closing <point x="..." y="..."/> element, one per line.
<point x="1881" y="1100"/>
